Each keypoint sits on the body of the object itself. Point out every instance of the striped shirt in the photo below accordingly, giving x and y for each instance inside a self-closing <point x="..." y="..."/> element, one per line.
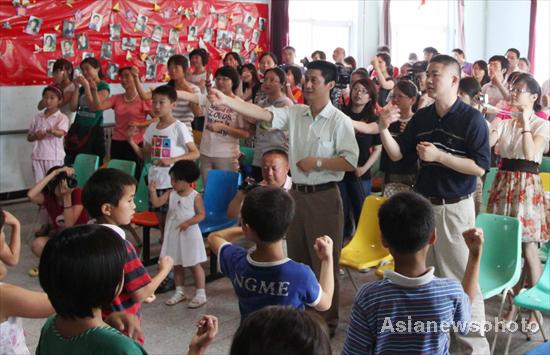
<point x="182" y="111"/>
<point x="406" y="315"/>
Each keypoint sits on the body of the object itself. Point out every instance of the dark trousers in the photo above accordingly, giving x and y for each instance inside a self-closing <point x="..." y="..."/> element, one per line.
<point x="353" y="191"/>
<point x="123" y="150"/>
<point x="319" y="213"/>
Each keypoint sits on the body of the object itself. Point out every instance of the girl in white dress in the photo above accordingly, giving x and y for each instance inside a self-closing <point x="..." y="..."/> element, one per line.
<point x="182" y="235"/>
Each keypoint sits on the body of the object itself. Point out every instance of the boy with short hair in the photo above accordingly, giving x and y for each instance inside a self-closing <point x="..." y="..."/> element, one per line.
<point x="412" y="294"/>
<point x="264" y="276"/>
<point x="108" y="196"/>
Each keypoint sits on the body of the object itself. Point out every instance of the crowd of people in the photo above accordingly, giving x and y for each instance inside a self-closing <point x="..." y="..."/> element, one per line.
<point x="436" y="126"/>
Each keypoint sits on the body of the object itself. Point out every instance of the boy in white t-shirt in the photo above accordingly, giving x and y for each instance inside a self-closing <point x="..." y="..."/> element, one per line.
<point x="165" y="142"/>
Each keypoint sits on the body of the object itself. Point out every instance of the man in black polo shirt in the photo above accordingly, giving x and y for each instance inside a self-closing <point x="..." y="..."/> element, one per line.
<point x="451" y="140"/>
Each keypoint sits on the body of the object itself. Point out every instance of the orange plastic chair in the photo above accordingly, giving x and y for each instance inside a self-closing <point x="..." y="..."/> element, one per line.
<point x="365" y="249"/>
<point x="147" y="220"/>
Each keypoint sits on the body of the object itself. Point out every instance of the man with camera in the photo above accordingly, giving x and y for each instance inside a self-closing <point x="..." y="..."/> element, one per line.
<point x="274" y="173"/>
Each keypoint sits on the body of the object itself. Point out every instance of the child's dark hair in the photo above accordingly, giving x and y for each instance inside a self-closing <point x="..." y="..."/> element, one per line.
<point x="202" y="53"/>
<point x="406" y="221"/>
<point x="56" y="89"/>
<point x="168" y="91"/>
<point x="185" y="170"/>
<point x="231" y="73"/>
<point x="105" y="186"/>
<point x="49" y="189"/>
<point x="63" y="64"/>
<point x="278" y="330"/>
<point x="179" y="60"/>
<point x="296" y="73"/>
<point x="94" y="63"/>
<point x="81" y="269"/>
<point x="268" y="211"/>
<point x="329" y="72"/>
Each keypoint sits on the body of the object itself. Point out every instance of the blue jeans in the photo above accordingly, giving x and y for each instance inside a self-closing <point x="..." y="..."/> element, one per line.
<point x="353" y="192"/>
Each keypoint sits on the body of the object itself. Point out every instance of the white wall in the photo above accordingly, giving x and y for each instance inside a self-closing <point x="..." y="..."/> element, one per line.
<point x="507" y="26"/>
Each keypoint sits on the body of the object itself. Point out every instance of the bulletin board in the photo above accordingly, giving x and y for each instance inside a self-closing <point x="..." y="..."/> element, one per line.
<point x="34" y="33"/>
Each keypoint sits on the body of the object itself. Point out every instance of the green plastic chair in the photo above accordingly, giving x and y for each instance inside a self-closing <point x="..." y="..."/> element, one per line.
<point x="487" y="184"/>
<point x="129" y="167"/>
<point x="536" y="298"/>
<point x="85" y="166"/>
<point x="545" y="165"/>
<point x="141" y="199"/>
<point x="199" y="185"/>
<point x="500" y="267"/>
<point x="248" y="155"/>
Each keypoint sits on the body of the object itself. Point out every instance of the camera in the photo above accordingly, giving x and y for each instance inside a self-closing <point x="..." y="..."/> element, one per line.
<point x="304" y="61"/>
<point x="343" y="76"/>
<point x="248" y="185"/>
<point x="71" y="180"/>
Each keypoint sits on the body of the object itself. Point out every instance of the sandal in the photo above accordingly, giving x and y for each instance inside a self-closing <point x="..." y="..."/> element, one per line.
<point x="176" y="298"/>
<point x="150" y="299"/>
<point x="33" y="271"/>
<point x="197" y="302"/>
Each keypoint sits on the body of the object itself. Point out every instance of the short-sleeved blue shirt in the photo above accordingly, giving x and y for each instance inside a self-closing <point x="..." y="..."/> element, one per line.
<point x="461" y="132"/>
<point x="261" y="284"/>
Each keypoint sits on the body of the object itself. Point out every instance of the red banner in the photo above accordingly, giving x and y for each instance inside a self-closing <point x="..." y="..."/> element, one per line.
<point x="120" y="33"/>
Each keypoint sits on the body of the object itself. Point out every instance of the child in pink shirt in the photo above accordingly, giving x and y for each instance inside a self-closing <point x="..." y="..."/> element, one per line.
<point x="47" y="131"/>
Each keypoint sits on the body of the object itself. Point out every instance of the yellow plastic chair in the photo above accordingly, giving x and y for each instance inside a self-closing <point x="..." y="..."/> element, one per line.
<point x="365" y="249"/>
<point x="545" y="178"/>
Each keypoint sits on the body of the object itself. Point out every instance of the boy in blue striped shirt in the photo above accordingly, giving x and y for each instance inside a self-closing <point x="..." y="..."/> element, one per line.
<point x="410" y="310"/>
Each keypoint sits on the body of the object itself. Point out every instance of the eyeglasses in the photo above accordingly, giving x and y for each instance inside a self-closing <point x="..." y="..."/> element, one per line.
<point x="518" y="91"/>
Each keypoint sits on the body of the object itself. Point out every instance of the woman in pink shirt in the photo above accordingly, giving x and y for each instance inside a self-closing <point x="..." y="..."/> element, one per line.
<point x="130" y="118"/>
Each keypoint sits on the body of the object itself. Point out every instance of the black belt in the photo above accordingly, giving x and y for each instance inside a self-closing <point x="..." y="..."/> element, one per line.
<point x="526" y="166"/>
<point x="308" y="189"/>
<point x="447" y="201"/>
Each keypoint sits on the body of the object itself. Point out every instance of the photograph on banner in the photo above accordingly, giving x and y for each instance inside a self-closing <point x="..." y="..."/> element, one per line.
<point x="255" y="37"/>
<point x="261" y="24"/>
<point x="68" y="29"/>
<point x="49" y="42"/>
<point x="173" y="36"/>
<point x="157" y="33"/>
<point x="95" y="22"/>
<point x="141" y="23"/>
<point x="237" y="46"/>
<point x="67" y="49"/>
<point x="33" y="26"/>
<point x="112" y="71"/>
<point x="88" y="55"/>
<point x="50" y="68"/>
<point x="224" y="40"/>
<point x="114" y="32"/>
<point x="239" y="33"/>
<point x="145" y="46"/>
<point x="253" y="57"/>
<point x="82" y="41"/>
<point x="106" y="50"/>
<point x="192" y="33"/>
<point x="222" y="21"/>
<point x="249" y="20"/>
<point x="128" y="43"/>
<point x="164" y="52"/>
<point x="150" y="70"/>
<point x="207" y="34"/>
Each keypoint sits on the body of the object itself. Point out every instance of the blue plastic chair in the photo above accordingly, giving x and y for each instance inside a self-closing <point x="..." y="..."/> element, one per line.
<point x="85" y="166"/>
<point x="128" y="166"/>
<point x="500" y="268"/>
<point x="220" y="189"/>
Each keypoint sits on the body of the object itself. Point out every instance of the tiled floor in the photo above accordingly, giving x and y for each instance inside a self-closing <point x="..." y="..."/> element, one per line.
<point x="169" y="329"/>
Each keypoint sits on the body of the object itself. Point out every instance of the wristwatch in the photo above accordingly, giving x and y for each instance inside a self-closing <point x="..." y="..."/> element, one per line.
<point x="318" y="163"/>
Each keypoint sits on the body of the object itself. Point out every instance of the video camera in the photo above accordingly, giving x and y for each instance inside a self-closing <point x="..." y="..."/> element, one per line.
<point x="248" y="185"/>
<point x="343" y="77"/>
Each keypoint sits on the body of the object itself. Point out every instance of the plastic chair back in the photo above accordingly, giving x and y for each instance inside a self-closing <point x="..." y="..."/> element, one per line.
<point x="545" y="179"/>
<point x="84" y="166"/>
<point x="537" y="297"/>
<point x="129" y="167"/>
<point x="141" y="199"/>
<point x="545" y="165"/>
<point x="487" y="184"/>
<point x="501" y="258"/>
<point x="220" y="189"/>
<point x="365" y="249"/>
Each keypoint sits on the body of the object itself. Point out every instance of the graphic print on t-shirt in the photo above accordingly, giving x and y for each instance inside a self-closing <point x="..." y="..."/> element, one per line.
<point x="220" y="114"/>
<point x="161" y="147"/>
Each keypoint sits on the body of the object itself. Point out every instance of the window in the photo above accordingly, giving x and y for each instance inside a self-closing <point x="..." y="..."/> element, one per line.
<point x="322" y="25"/>
<point x="542" y="52"/>
<point x="416" y="27"/>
